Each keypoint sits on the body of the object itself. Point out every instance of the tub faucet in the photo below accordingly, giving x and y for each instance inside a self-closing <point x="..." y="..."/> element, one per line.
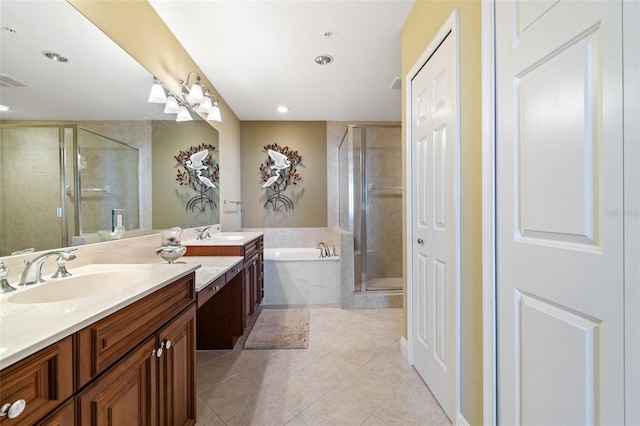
<point x="203" y="233"/>
<point x="324" y="250"/>
<point x="32" y="273"/>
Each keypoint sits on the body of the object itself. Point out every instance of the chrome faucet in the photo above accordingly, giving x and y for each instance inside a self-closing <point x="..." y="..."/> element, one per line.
<point x="324" y="250"/>
<point x="32" y="273"/>
<point x="203" y="233"/>
<point x="4" y="284"/>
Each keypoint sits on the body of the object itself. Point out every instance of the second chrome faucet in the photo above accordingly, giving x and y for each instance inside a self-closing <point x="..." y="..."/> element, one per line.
<point x="32" y="273"/>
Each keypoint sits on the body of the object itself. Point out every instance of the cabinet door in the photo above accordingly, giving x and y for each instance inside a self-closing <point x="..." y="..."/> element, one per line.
<point x="126" y="394"/>
<point x="177" y="390"/>
<point x="64" y="416"/>
<point x="43" y="380"/>
<point x="246" y="293"/>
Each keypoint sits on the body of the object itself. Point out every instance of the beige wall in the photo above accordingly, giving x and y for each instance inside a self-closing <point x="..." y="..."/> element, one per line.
<point x="137" y="28"/>
<point x="309" y="196"/>
<point x="424" y="21"/>
<point x="169" y="198"/>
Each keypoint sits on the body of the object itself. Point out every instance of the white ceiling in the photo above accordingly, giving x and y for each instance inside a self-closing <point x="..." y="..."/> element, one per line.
<point x="260" y="54"/>
<point x="100" y="81"/>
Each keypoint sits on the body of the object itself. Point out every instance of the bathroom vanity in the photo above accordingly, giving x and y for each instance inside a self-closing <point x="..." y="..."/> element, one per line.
<point x="120" y="354"/>
<point x="235" y="306"/>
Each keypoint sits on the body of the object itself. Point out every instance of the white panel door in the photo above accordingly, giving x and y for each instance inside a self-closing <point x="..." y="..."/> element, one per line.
<point x="559" y="186"/>
<point x="434" y="227"/>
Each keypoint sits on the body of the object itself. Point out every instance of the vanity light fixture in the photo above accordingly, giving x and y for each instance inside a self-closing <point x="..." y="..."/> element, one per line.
<point x="157" y="95"/>
<point x="172" y="106"/>
<point x="183" y="114"/>
<point x="197" y="97"/>
<point x="192" y="95"/>
<point x="214" y="115"/>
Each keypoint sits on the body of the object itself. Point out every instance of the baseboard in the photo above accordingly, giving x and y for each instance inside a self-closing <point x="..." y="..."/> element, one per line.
<point x="461" y="421"/>
<point x="404" y="348"/>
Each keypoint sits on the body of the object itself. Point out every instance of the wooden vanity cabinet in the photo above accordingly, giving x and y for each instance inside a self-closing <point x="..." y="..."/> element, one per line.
<point x="63" y="416"/>
<point x="154" y="383"/>
<point x="252" y="266"/>
<point x="43" y="380"/>
<point x="136" y="366"/>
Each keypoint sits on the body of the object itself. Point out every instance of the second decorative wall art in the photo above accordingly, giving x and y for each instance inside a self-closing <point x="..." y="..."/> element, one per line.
<point x="198" y="171"/>
<point x="278" y="172"/>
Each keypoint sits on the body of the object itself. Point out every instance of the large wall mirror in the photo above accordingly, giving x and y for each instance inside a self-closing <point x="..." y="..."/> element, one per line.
<point x="80" y="144"/>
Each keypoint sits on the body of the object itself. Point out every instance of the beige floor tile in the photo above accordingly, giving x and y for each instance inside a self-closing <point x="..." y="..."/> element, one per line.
<point x="296" y="422"/>
<point x="245" y="359"/>
<point x="259" y="410"/>
<point x="212" y="373"/>
<point x="203" y="357"/>
<point x="205" y="416"/>
<point x="392" y="373"/>
<point x="298" y="359"/>
<point x="268" y="373"/>
<point x="298" y="392"/>
<point x="331" y="370"/>
<point x="374" y="421"/>
<point x="229" y="395"/>
<point x="364" y="390"/>
<point x="405" y="407"/>
<point x="333" y="409"/>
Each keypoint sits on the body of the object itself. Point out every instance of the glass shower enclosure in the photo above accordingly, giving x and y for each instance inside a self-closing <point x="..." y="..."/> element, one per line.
<point x="60" y="183"/>
<point x="370" y="175"/>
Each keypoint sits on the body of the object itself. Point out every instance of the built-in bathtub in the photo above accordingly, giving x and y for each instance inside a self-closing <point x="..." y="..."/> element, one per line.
<point x="298" y="276"/>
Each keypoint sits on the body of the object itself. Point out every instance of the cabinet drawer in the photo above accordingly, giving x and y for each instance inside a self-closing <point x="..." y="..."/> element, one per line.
<point x="101" y="344"/>
<point x="233" y="272"/>
<point x="63" y="416"/>
<point x="208" y="292"/>
<point x="252" y="247"/>
<point x="44" y="380"/>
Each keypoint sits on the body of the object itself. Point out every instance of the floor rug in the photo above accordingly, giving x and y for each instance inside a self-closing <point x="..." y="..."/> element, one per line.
<point x="280" y="329"/>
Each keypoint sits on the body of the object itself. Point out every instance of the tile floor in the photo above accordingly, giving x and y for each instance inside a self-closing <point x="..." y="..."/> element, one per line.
<point x="352" y="373"/>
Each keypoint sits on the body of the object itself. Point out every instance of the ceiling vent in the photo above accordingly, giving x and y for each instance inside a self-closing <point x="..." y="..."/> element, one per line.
<point x="6" y="81"/>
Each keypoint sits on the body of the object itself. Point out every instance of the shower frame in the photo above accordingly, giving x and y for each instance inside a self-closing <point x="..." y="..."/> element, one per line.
<point x="364" y="197"/>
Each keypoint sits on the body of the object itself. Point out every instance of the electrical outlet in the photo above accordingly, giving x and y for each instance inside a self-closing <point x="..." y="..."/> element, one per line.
<point x="117" y="219"/>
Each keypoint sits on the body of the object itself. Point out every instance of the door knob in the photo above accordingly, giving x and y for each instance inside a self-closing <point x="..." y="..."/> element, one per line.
<point x="420" y="241"/>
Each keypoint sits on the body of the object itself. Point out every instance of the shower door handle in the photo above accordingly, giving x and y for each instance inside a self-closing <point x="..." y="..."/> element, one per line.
<point x="420" y="241"/>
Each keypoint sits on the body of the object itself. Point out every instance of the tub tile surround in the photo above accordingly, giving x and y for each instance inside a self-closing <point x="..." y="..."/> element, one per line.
<point x="352" y="373"/>
<point x="343" y="241"/>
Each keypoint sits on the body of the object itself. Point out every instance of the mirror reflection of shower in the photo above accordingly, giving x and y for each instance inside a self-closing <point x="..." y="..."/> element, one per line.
<point x="44" y="167"/>
<point x="370" y="158"/>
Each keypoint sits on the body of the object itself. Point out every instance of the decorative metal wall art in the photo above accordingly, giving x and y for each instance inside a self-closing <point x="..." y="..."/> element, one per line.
<point x="199" y="172"/>
<point x="278" y="172"/>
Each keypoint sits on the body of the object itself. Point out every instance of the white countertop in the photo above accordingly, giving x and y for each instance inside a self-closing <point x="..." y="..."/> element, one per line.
<point x="27" y="328"/>
<point x="211" y="267"/>
<point x="225" y="239"/>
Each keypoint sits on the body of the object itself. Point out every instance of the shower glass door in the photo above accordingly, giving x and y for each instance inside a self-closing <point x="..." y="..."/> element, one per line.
<point x="371" y="192"/>
<point x="31" y="206"/>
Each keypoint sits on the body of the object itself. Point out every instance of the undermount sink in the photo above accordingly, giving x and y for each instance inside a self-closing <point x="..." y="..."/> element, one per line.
<point x="78" y="286"/>
<point x="227" y="237"/>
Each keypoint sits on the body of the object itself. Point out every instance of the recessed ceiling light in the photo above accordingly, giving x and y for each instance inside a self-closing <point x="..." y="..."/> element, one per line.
<point x="282" y="109"/>
<point x="56" y="57"/>
<point x="4" y="108"/>
<point x="324" y="59"/>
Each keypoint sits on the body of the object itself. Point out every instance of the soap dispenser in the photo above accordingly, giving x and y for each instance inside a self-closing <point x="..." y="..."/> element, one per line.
<point x="4" y="271"/>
